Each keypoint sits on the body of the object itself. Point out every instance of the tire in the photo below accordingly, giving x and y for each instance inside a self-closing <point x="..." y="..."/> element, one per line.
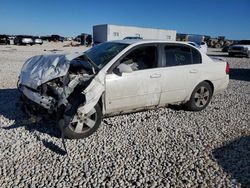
<point x="201" y="97"/>
<point x="80" y="125"/>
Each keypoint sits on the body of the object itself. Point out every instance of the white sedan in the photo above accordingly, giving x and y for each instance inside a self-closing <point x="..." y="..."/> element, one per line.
<point x="118" y="77"/>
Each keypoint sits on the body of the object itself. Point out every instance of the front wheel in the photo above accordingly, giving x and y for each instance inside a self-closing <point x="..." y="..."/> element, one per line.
<point x="200" y="97"/>
<point x="82" y="125"/>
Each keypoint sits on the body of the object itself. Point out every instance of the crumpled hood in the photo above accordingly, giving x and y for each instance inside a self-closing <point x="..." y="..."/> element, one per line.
<point x="42" y="68"/>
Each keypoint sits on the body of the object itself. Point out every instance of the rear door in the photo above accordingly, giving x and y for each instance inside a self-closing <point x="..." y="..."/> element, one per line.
<point x="182" y="69"/>
<point x="138" y="89"/>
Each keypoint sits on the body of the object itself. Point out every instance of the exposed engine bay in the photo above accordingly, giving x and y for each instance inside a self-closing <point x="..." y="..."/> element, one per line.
<point x="50" y="81"/>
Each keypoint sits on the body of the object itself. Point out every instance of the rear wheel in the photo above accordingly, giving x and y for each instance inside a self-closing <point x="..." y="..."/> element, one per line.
<point x="200" y="97"/>
<point x="81" y="125"/>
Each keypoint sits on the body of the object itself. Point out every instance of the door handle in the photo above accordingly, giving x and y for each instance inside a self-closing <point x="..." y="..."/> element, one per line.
<point x="193" y="71"/>
<point x="155" y="75"/>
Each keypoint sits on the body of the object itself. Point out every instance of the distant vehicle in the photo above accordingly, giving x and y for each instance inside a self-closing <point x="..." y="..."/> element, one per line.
<point x="202" y="47"/>
<point x="4" y="39"/>
<point x="225" y="48"/>
<point x="132" y="38"/>
<point x="11" y="39"/>
<point x="69" y="38"/>
<point x="56" y="38"/>
<point x="117" y="77"/>
<point x="242" y="48"/>
<point x="194" y="44"/>
<point x="46" y="38"/>
<point x="52" y="38"/>
<point x="37" y="40"/>
<point x="199" y="40"/>
<point x="23" y="40"/>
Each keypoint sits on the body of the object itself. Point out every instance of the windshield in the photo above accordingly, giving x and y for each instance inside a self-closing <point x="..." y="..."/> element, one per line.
<point x="103" y="53"/>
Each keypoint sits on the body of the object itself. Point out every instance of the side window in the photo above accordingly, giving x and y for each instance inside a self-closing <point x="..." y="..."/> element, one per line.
<point x="142" y="58"/>
<point x="196" y="56"/>
<point x="177" y="55"/>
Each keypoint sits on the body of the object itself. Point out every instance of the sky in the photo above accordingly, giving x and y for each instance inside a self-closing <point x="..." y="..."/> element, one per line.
<point x="230" y="18"/>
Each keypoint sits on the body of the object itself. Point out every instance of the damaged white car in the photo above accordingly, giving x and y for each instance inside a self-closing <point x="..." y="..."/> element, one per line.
<point x="118" y="77"/>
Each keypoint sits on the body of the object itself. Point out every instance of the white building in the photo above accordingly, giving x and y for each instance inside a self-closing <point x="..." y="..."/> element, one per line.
<point x="106" y="32"/>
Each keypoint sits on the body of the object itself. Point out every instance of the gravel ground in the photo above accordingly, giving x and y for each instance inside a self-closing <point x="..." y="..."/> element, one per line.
<point x="166" y="147"/>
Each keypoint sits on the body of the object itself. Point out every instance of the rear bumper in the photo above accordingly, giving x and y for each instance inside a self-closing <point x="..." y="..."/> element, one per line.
<point x="220" y="85"/>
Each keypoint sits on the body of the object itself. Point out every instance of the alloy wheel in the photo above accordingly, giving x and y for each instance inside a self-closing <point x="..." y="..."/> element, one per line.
<point x="201" y="97"/>
<point x="82" y="123"/>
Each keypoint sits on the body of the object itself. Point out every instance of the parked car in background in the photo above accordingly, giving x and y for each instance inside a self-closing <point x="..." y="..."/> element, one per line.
<point x="225" y="48"/>
<point x="55" y="38"/>
<point x="202" y="47"/>
<point x="242" y="48"/>
<point x="118" y="77"/>
<point x="11" y="39"/>
<point x="52" y="38"/>
<point x="197" y="40"/>
<point x="37" y="40"/>
<point x="23" y="40"/>
<point x="4" y="39"/>
<point x="46" y="38"/>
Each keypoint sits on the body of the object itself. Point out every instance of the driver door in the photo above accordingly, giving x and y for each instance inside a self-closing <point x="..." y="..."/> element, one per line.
<point x="130" y="91"/>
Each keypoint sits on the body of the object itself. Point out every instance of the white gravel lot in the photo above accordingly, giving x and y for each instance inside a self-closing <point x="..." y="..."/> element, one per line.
<point x="166" y="147"/>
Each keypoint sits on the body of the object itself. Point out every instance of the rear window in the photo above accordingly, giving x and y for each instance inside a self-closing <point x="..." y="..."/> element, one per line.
<point x="177" y="55"/>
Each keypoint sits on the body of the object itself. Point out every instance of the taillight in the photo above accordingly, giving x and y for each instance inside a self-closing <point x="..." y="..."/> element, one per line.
<point x="227" y="68"/>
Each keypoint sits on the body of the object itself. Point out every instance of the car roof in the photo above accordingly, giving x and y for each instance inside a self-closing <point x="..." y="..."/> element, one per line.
<point x="145" y="41"/>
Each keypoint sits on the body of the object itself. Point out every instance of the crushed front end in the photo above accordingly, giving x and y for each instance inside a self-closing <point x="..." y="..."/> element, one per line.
<point x="47" y="82"/>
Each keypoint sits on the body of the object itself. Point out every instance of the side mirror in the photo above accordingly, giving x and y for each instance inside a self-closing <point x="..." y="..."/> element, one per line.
<point x="124" y="68"/>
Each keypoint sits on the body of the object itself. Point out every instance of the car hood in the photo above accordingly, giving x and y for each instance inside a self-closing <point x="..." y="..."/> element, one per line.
<point x="43" y="68"/>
